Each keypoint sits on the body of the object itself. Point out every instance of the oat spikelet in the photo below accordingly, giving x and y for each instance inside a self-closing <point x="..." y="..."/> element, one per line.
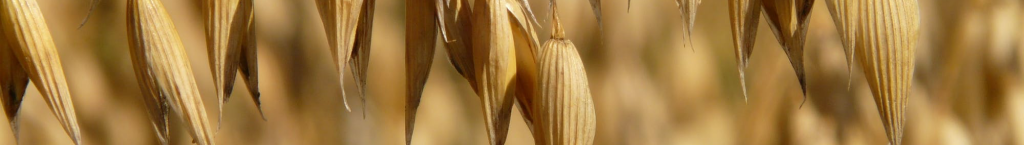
<point x="527" y="46"/>
<point x="30" y="41"/>
<point x="340" y="18"/>
<point x="456" y="27"/>
<point x="886" y="37"/>
<point x="420" y="35"/>
<point x="13" y="82"/>
<point x="844" y="14"/>
<point x="494" y="57"/>
<point x="248" y="63"/>
<point x="788" y="20"/>
<point x="744" y="16"/>
<point x="688" y="11"/>
<point x="219" y="15"/>
<point x="565" y="112"/>
<point x="163" y="70"/>
<point x="361" y="50"/>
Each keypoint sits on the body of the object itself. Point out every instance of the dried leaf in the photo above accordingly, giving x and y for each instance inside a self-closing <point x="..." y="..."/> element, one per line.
<point x="565" y="113"/>
<point x="361" y="51"/>
<point x="886" y="37"/>
<point x="788" y="21"/>
<point x="340" y="18"/>
<point x="420" y="35"/>
<point x="495" y="65"/>
<point x="688" y="11"/>
<point x="30" y="41"/>
<point x="163" y="70"/>
<point x="845" y="17"/>
<point x="744" y="16"/>
<point x="13" y="82"/>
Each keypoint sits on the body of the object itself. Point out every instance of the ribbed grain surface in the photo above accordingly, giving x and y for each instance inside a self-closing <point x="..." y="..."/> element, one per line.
<point x="29" y="38"/>
<point x="565" y="113"/>
<point x="743" y="17"/>
<point x="688" y="11"/>
<point x="788" y="20"/>
<point x="887" y="35"/>
<point x="495" y="65"/>
<point x="340" y="18"/>
<point x="420" y="35"/>
<point x="163" y="70"/>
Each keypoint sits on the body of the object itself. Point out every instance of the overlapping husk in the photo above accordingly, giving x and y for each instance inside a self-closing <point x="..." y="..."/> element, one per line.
<point x="456" y="27"/>
<point x="688" y="12"/>
<point x="420" y="35"/>
<point x="788" y="20"/>
<point x="361" y="50"/>
<point x="495" y="65"/>
<point x="163" y="71"/>
<point x="232" y="47"/>
<point x="527" y="47"/>
<point x="29" y="41"/>
<point x="744" y="15"/>
<point x="340" y="18"/>
<point x="886" y="37"/>
<point x="565" y="113"/>
<point x="845" y="17"/>
<point x="13" y="82"/>
<point x="248" y="63"/>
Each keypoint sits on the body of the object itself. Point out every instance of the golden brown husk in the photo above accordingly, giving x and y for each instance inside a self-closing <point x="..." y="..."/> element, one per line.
<point x="420" y="35"/>
<point x="688" y="12"/>
<point x="495" y="65"/>
<point x="361" y="50"/>
<point x="565" y="113"/>
<point x="248" y="63"/>
<point x="340" y="18"/>
<point x="526" y="44"/>
<point x="13" y="82"/>
<point x="456" y="27"/>
<point x="163" y="70"/>
<point x="789" y="20"/>
<point x="844" y="14"/>
<point x="744" y="16"/>
<point x="886" y="37"/>
<point x="219" y="15"/>
<point x="30" y="41"/>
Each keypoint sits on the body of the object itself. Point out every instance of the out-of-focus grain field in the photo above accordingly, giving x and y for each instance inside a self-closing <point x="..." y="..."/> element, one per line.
<point x="647" y="88"/>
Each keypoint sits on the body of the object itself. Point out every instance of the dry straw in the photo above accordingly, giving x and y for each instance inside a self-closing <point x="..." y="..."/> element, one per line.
<point x="564" y="110"/>
<point x="420" y="35"/>
<point x="744" y="15"/>
<point x="527" y="47"/>
<point x="495" y="65"/>
<point x="228" y="30"/>
<point x="28" y="39"/>
<point x="164" y="72"/>
<point x="688" y="11"/>
<point x="361" y="50"/>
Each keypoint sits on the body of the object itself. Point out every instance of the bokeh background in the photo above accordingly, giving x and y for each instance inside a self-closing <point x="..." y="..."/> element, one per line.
<point x="648" y="88"/>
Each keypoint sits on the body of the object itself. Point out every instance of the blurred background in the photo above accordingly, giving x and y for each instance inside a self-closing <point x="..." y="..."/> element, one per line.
<point x="648" y="88"/>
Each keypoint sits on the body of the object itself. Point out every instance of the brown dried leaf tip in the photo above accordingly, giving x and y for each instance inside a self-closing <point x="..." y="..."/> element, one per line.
<point x="420" y="34"/>
<point x="29" y="53"/>
<point x="163" y="71"/>
<point x="564" y="109"/>
<point x="230" y="35"/>
<point x="340" y="18"/>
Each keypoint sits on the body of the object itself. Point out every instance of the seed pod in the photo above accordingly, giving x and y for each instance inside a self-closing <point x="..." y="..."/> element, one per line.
<point x="688" y="11"/>
<point x="420" y="35"/>
<point x="565" y="112"/>
<point x="844" y="14"/>
<point x="163" y="70"/>
<point x="526" y="44"/>
<point x="30" y="41"/>
<point x="495" y="65"/>
<point x="744" y="16"/>
<point x="361" y="50"/>
<point x="886" y="37"/>
<point x="13" y="82"/>
<point x="340" y="18"/>
<point x="791" y="33"/>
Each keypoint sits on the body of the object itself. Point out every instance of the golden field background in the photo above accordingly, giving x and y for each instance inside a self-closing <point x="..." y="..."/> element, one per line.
<point x="648" y="89"/>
